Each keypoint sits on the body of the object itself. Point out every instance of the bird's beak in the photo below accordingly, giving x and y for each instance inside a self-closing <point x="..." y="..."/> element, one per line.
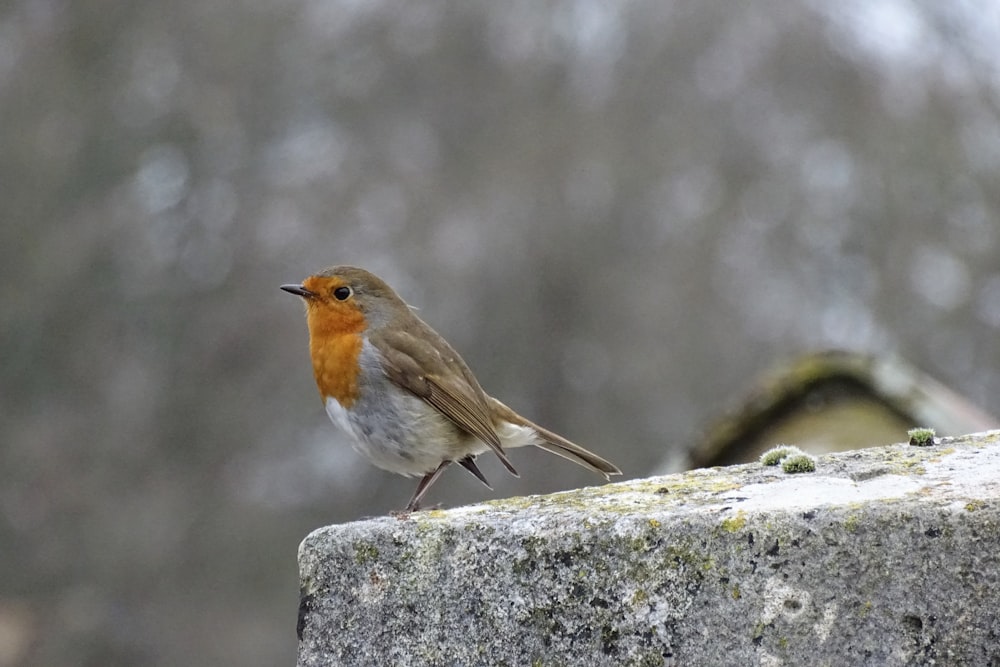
<point x="298" y="290"/>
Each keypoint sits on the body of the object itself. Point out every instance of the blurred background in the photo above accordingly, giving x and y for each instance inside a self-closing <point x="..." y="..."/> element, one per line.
<point x="619" y="213"/>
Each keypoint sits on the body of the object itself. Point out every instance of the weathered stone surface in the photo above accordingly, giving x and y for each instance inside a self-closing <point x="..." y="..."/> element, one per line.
<point x="887" y="556"/>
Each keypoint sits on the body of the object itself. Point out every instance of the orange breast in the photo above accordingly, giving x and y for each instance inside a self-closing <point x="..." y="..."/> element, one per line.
<point x="335" y="345"/>
<point x="335" y="366"/>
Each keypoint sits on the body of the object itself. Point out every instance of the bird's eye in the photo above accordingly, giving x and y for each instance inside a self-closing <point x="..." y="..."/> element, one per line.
<point x="341" y="293"/>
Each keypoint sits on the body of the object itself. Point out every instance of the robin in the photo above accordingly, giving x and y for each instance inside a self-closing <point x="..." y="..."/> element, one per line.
<point x="408" y="401"/>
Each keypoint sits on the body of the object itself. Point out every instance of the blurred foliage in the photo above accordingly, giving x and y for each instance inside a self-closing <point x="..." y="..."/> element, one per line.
<point x="618" y="212"/>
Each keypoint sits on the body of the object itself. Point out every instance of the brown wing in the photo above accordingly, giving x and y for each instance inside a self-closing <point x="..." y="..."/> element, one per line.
<point x="429" y="368"/>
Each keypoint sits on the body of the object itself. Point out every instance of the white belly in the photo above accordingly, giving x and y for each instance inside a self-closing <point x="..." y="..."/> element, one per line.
<point x="402" y="436"/>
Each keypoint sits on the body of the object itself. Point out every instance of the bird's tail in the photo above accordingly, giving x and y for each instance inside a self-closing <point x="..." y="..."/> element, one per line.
<point x="558" y="445"/>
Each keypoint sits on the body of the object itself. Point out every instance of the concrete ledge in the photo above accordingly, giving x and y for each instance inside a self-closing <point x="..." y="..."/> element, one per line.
<point x="887" y="556"/>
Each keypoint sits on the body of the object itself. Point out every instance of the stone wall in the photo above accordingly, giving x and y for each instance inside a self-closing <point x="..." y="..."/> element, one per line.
<point x="883" y="556"/>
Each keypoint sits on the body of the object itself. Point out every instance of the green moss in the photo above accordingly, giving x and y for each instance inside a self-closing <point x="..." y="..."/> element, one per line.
<point x="799" y="463"/>
<point x="851" y="524"/>
<point x="974" y="505"/>
<point x="921" y="437"/>
<point x="734" y="523"/>
<point x="365" y="553"/>
<point x="647" y="539"/>
<point x="736" y="592"/>
<point x="775" y="455"/>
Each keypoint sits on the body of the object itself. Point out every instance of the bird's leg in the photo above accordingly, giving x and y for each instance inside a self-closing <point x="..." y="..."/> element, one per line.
<point x="425" y="484"/>
<point x="469" y="463"/>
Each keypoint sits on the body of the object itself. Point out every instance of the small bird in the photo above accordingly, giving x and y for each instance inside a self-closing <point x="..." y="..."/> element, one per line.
<point x="408" y="401"/>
